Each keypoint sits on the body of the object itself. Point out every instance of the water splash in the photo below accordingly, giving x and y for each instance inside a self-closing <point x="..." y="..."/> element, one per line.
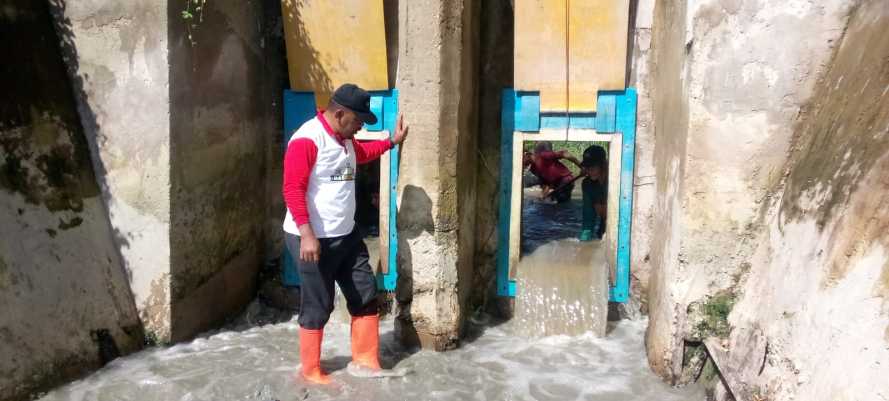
<point x="561" y="283"/>
<point x="562" y="289"/>
<point x="260" y="363"/>
<point x="516" y="360"/>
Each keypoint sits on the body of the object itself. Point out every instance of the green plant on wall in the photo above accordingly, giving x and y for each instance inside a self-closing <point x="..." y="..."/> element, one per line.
<point x="193" y="16"/>
<point x="712" y="315"/>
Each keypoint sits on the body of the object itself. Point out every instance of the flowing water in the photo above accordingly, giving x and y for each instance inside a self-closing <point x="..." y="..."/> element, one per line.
<point x="562" y="283"/>
<point x="562" y="288"/>
<point x="515" y="360"/>
<point x="259" y="363"/>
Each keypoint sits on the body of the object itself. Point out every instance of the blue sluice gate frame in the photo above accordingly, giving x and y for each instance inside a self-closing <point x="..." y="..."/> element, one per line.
<point x="520" y="111"/>
<point x="300" y="107"/>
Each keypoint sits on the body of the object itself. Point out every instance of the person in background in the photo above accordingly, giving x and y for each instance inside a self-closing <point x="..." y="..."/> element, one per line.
<point x="594" y="168"/>
<point x="319" y="191"/>
<point x="555" y="179"/>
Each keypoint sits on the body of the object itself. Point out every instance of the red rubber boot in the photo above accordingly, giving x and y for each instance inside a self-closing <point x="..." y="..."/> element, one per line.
<point x="366" y="341"/>
<point x="310" y="355"/>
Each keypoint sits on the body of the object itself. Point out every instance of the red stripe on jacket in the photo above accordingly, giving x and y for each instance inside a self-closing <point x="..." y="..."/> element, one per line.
<point x="299" y="159"/>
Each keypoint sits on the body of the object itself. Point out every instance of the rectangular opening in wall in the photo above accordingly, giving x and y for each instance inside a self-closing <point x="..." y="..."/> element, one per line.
<point x="553" y="189"/>
<point x="367" y="208"/>
<point x="371" y="193"/>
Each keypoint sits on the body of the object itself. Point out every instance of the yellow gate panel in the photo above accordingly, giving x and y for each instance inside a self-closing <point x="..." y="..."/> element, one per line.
<point x="333" y="42"/>
<point x="539" y="55"/>
<point x="597" y="52"/>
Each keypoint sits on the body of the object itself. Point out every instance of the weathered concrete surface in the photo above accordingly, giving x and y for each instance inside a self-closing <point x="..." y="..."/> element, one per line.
<point x="752" y="188"/>
<point x="183" y="118"/>
<point x="670" y="118"/>
<point x="66" y="303"/>
<point x="224" y="88"/>
<point x="640" y="76"/>
<point x="818" y="287"/>
<point x="495" y="73"/>
<point x="118" y="59"/>
<point x="436" y="184"/>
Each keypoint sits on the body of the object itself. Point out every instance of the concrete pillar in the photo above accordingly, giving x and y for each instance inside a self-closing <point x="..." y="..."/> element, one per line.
<point x="436" y="186"/>
<point x="671" y="130"/>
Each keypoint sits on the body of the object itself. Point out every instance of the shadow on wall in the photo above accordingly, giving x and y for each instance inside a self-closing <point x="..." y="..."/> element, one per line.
<point x="88" y="120"/>
<point x="496" y="73"/>
<point x="67" y="309"/>
<point x="631" y="41"/>
<point x="298" y="42"/>
<point x="390" y="20"/>
<point x="224" y="85"/>
<point x="414" y="218"/>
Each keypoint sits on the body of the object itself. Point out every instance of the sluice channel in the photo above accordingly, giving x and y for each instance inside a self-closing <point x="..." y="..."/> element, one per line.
<point x="260" y="363"/>
<point x="549" y="351"/>
<point x="556" y="291"/>
<point x="596" y="200"/>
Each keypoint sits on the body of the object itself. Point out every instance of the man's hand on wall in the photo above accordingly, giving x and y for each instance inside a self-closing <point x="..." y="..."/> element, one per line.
<point x="400" y="131"/>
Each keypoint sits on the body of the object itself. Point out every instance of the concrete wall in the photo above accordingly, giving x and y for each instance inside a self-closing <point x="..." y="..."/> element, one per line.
<point x="670" y="111"/>
<point x="744" y="70"/>
<point x="818" y="288"/>
<point x="225" y="90"/>
<point x="184" y="122"/>
<point x="640" y="75"/>
<point x="436" y="180"/>
<point x="118" y="60"/>
<point x="752" y="122"/>
<point x="495" y="72"/>
<point x="66" y="301"/>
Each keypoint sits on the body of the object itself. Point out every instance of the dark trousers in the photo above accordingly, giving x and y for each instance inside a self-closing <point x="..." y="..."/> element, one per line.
<point x="343" y="260"/>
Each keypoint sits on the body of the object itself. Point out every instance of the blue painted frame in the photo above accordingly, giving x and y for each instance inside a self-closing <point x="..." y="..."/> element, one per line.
<point x="389" y="114"/>
<point x="300" y="107"/>
<point x="510" y="113"/>
<point x="520" y="111"/>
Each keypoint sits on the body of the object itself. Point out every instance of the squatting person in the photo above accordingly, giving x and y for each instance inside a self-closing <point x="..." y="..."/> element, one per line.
<point x="554" y="178"/>
<point x="319" y="191"/>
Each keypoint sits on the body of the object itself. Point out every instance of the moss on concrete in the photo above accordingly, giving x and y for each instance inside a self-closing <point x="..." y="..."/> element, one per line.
<point x="709" y="318"/>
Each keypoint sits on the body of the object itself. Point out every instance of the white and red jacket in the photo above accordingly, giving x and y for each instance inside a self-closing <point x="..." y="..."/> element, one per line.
<point x="319" y="178"/>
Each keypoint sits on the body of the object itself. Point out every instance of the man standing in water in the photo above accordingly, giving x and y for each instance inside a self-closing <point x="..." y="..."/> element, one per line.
<point x="319" y="191"/>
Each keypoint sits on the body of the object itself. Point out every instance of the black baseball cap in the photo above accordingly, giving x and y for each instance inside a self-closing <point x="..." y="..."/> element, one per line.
<point x="356" y="99"/>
